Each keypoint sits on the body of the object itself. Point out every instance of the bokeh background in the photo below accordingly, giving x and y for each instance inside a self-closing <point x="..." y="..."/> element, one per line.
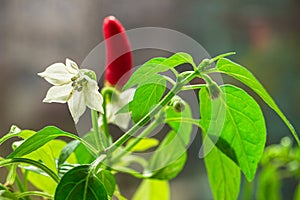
<point x="35" y="34"/>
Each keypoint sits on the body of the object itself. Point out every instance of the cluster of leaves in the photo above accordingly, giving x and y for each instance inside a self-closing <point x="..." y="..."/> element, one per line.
<point x="232" y="124"/>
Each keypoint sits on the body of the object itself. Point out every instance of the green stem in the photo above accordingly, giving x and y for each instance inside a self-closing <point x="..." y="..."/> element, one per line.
<point x="194" y="87"/>
<point x="179" y="85"/>
<point x="34" y="193"/>
<point x="170" y="80"/>
<point x="37" y="164"/>
<point x="222" y="56"/>
<point x="105" y="123"/>
<point x="184" y="120"/>
<point x="97" y="134"/>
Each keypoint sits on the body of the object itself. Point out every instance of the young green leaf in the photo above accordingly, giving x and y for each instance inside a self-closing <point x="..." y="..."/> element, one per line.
<point x="223" y="175"/>
<point x="80" y="183"/>
<point x="148" y="69"/>
<point x="179" y="59"/>
<point x="240" y="73"/>
<point x="144" y="144"/>
<point x="151" y="189"/>
<point x="145" y="73"/>
<point x="145" y="97"/>
<point x="243" y="128"/>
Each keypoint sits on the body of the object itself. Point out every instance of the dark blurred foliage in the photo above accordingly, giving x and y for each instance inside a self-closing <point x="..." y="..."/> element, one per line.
<point x="35" y="34"/>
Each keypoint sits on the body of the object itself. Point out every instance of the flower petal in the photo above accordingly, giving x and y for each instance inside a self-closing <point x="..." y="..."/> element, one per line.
<point x="58" y="94"/>
<point x="127" y="96"/>
<point x="56" y="74"/>
<point x="93" y="98"/>
<point x="122" y="120"/>
<point x="71" y="66"/>
<point x="77" y="105"/>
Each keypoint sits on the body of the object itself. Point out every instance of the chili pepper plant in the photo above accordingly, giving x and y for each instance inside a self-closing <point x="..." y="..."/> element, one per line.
<point x="231" y="121"/>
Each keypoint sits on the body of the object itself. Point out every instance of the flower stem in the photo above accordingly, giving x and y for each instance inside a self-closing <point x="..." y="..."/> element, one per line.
<point x="97" y="134"/>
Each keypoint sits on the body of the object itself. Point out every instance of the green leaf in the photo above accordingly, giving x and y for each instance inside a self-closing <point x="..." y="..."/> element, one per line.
<point x="39" y="139"/>
<point x="47" y="154"/>
<point x="67" y="151"/>
<point x="242" y="74"/>
<point x="108" y="181"/>
<point x="151" y="189"/>
<point x="145" y="73"/>
<point x="145" y="97"/>
<point x="144" y="144"/>
<point x="243" y="130"/>
<point x="169" y="158"/>
<point x="83" y="155"/>
<point x="223" y="175"/>
<point x="80" y="183"/>
<point x="179" y="59"/>
<point x="148" y="69"/>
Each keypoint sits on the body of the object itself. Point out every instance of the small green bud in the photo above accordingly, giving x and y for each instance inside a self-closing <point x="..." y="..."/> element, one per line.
<point x="204" y="64"/>
<point x="214" y="90"/>
<point x="178" y="104"/>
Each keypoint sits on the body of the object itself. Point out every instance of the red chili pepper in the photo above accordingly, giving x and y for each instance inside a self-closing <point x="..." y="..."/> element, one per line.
<point x="118" y="53"/>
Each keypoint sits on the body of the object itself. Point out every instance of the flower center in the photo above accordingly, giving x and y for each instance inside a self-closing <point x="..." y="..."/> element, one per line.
<point x="79" y="82"/>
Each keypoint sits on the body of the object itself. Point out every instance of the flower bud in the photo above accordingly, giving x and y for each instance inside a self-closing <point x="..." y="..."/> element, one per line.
<point x="214" y="90"/>
<point x="178" y="104"/>
<point x="118" y="53"/>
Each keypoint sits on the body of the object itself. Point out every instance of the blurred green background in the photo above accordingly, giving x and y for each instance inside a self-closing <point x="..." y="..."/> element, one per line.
<point x="35" y="34"/>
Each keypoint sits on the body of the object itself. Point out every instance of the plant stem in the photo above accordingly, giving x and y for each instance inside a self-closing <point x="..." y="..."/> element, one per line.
<point x="179" y="85"/>
<point x="97" y="134"/>
<point x="34" y="193"/>
<point x="104" y="122"/>
<point x="184" y="120"/>
<point x="193" y="87"/>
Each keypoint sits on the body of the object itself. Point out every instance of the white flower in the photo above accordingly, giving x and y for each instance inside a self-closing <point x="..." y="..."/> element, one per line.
<point x="75" y="86"/>
<point x="118" y="101"/>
